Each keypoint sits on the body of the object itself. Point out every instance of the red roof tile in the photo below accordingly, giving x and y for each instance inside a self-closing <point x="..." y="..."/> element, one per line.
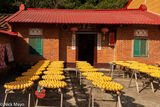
<point x="114" y="16"/>
<point x="8" y="33"/>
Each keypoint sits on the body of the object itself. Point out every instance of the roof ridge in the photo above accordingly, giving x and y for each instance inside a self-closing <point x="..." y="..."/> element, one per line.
<point x="9" y="32"/>
<point x="82" y="9"/>
<point x="14" y="15"/>
<point x="70" y="16"/>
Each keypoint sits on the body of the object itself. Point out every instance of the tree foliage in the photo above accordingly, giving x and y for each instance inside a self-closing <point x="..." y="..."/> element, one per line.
<point x="6" y="6"/>
<point x="93" y="4"/>
<point x="9" y="6"/>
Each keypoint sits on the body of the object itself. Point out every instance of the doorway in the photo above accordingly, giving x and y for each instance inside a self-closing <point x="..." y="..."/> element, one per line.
<point x="85" y="49"/>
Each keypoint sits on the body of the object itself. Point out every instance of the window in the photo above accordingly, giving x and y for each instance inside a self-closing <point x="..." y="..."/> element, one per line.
<point x="140" y="47"/>
<point x="35" y="46"/>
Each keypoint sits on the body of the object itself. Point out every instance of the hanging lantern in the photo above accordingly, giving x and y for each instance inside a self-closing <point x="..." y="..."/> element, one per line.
<point x="104" y="30"/>
<point x="74" y="29"/>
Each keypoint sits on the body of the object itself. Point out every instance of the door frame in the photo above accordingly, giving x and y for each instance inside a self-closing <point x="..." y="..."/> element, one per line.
<point x="95" y="45"/>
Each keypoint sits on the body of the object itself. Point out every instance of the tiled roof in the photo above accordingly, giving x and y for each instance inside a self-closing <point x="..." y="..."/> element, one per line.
<point x="8" y="33"/>
<point x="3" y="25"/>
<point x="66" y="16"/>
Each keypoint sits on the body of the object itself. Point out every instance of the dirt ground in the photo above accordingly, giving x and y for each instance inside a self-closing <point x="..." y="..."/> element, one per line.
<point x="76" y="95"/>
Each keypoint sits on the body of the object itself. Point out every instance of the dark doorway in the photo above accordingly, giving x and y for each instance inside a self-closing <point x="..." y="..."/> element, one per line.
<point x="86" y="44"/>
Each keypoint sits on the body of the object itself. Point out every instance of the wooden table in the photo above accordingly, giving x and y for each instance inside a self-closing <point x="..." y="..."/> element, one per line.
<point x="59" y="90"/>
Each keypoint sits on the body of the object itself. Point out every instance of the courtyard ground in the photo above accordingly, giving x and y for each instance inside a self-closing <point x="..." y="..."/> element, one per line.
<point x="76" y="95"/>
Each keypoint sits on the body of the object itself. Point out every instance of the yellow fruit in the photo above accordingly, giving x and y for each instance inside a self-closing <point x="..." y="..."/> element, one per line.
<point x="18" y="84"/>
<point x="53" y="77"/>
<point x="55" y="69"/>
<point x="92" y="74"/>
<point x="32" y="73"/>
<point x="54" y="72"/>
<point x="110" y="86"/>
<point x="100" y="78"/>
<point x="32" y="78"/>
<point x="88" y="70"/>
<point x="52" y="84"/>
<point x="155" y="74"/>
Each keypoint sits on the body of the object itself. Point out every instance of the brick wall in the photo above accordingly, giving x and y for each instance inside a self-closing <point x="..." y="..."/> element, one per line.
<point x="106" y="54"/>
<point x="66" y="52"/>
<point x="125" y="36"/>
<point x="50" y="42"/>
<point x="57" y="44"/>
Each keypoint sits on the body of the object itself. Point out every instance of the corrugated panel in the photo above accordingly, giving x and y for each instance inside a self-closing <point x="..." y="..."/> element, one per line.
<point x="135" y="4"/>
<point x="122" y="16"/>
<point x="153" y="5"/>
<point x="3" y="25"/>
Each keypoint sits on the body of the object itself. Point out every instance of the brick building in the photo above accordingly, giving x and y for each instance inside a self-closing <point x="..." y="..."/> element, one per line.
<point x="97" y="36"/>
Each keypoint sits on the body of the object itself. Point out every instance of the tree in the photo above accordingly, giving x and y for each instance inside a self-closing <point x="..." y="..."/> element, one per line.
<point x="11" y="6"/>
<point x="93" y="4"/>
<point x="70" y="4"/>
<point x="7" y="7"/>
<point x="52" y="4"/>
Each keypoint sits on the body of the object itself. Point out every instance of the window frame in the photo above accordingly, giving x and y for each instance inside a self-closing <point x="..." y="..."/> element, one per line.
<point x="29" y="46"/>
<point x="147" y="47"/>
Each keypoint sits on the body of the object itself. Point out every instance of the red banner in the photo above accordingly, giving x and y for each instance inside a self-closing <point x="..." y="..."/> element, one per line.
<point x="111" y="38"/>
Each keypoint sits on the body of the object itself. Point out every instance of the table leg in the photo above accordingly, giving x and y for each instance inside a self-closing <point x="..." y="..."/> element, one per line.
<point x="36" y="102"/>
<point x="29" y="99"/>
<point x="90" y="94"/>
<point x="119" y="101"/>
<point x="61" y="105"/>
<point x="92" y="99"/>
<point x="112" y="66"/>
<point x="123" y="74"/>
<point x="5" y="99"/>
<point x="80" y="79"/>
<point x="76" y="73"/>
<point x="136" y="79"/>
<point x="152" y="86"/>
<point x="131" y="79"/>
